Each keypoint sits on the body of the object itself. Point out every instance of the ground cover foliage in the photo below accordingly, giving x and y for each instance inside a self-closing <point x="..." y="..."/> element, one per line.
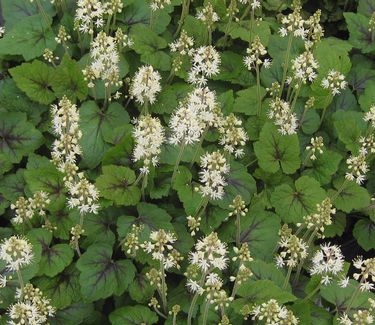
<point x="187" y="162"/>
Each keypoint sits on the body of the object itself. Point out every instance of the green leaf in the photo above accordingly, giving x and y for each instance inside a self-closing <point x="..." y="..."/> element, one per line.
<point x="36" y="80"/>
<point x="169" y="98"/>
<point x="69" y="80"/>
<point x="341" y="297"/>
<point x="148" y="44"/>
<point x="349" y="126"/>
<point x="268" y="271"/>
<point x="359" y="34"/>
<point x="240" y="182"/>
<point x="261" y="290"/>
<point x="16" y="11"/>
<point x="12" y="186"/>
<point x="115" y="185"/>
<point x="54" y="258"/>
<point x="292" y="204"/>
<point x="154" y="217"/>
<point x="77" y="313"/>
<point x="101" y="276"/>
<point x="241" y="30"/>
<point x="274" y="150"/>
<point x="131" y="315"/>
<point x="51" y="183"/>
<point x="186" y="190"/>
<point x="349" y="195"/>
<point x="195" y="28"/>
<point x="366" y="99"/>
<point x="140" y="289"/>
<point x="337" y="59"/>
<point x="325" y="166"/>
<point x="364" y="232"/>
<point x="94" y="122"/>
<point x="366" y="7"/>
<point x="337" y="227"/>
<point x="247" y="100"/>
<point x="63" y="289"/>
<point x="13" y="99"/>
<point x="102" y="225"/>
<point x="29" y="37"/>
<point x="18" y="137"/>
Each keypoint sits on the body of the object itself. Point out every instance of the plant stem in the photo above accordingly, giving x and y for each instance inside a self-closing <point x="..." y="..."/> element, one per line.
<point x="205" y="312"/>
<point x="182" y="149"/>
<point x="184" y="13"/>
<point x="258" y="90"/>
<point x="286" y="281"/>
<point x="163" y="288"/>
<point x="312" y="293"/>
<point x="21" y="283"/>
<point x="238" y="230"/>
<point x="144" y="185"/>
<point x="191" y="308"/>
<point x="286" y="63"/>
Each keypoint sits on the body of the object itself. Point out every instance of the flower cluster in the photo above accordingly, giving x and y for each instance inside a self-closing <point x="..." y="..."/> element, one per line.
<point x="64" y="154"/>
<point x="293" y="23"/>
<point x="232" y="136"/>
<point x="210" y="253"/>
<point x="304" y="67"/>
<point x="212" y="176"/>
<point x="17" y="252"/>
<point x="327" y="262"/>
<point x="366" y="274"/>
<point x="2" y="31"/>
<point x="131" y="243"/>
<point x="160" y="246"/>
<point x="361" y="316"/>
<point x="293" y="250"/>
<point x="25" y="209"/>
<point x="284" y="117"/>
<point x="193" y="116"/>
<point x="316" y="145"/>
<point x="89" y="14"/>
<point x="182" y="47"/>
<point x="205" y="63"/>
<point x="271" y="312"/>
<point x="357" y="167"/>
<point x="322" y="218"/>
<point x="254" y="55"/>
<point x="105" y="61"/>
<point x="208" y="15"/>
<point x="335" y="82"/>
<point x="159" y="4"/>
<point x="148" y="135"/>
<point x="370" y="116"/>
<point x="145" y="85"/>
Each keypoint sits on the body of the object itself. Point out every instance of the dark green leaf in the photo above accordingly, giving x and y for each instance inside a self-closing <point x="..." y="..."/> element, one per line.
<point x="140" y="289"/>
<point x="169" y="98"/>
<point x="275" y="150"/>
<point x="94" y="122"/>
<point x="36" y="80"/>
<point x="360" y="36"/>
<point x="29" y="37"/>
<point x="63" y="289"/>
<point x="349" y="195"/>
<point x="292" y="204"/>
<point x="74" y="314"/>
<point x="115" y="185"/>
<point x="247" y="101"/>
<point x="154" y="217"/>
<point x="101" y="276"/>
<point x="18" y="137"/>
<point x="364" y="232"/>
<point x="69" y="80"/>
<point x="131" y="315"/>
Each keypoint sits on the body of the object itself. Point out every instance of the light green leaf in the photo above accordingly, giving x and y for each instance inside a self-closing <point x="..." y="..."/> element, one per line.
<point x="94" y="122"/>
<point x="18" y="137"/>
<point x="101" y="276"/>
<point x="36" y="80"/>
<point x="69" y="80"/>
<point x="260" y="291"/>
<point x="275" y="150"/>
<point x="29" y="37"/>
<point x="115" y="185"/>
<point x="367" y="98"/>
<point x="292" y="204"/>
<point x="131" y="315"/>
<point x="364" y="232"/>
<point x="349" y="195"/>
<point x="359" y="34"/>
<point x="247" y="100"/>
<point x="148" y="44"/>
<point x="186" y="190"/>
<point x="349" y="126"/>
